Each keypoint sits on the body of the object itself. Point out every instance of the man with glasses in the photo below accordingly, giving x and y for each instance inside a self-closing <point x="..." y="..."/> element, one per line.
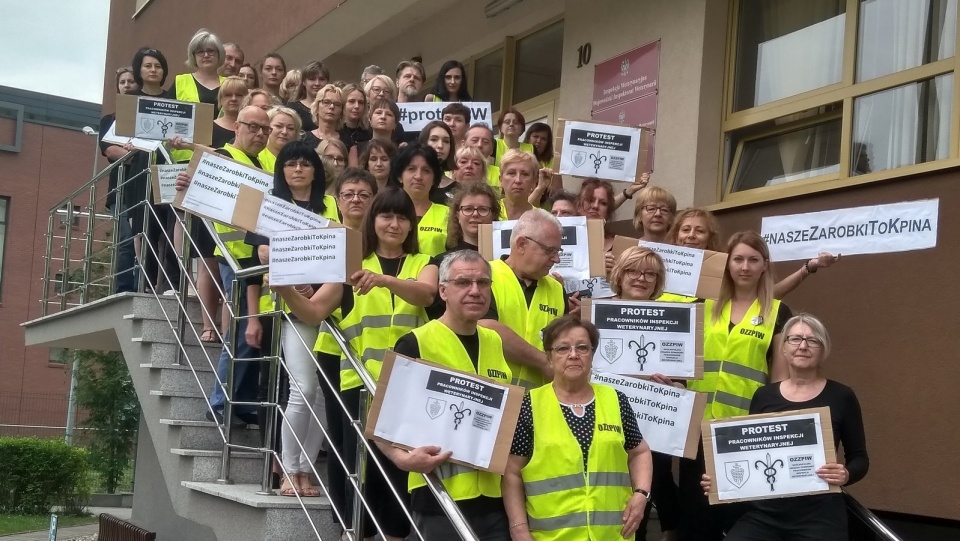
<point x="455" y="340"/>
<point x="525" y="297"/>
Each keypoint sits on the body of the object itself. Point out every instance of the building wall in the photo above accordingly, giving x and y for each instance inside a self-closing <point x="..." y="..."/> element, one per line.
<point x="52" y="163"/>
<point x="891" y="318"/>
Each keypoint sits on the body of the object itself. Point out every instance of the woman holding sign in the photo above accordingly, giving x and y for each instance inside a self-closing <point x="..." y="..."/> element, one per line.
<point x="823" y="517"/>
<point x="579" y="467"/>
<point x="392" y="289"/>
<point x="417" y="170"/>
<point x="205" y="55"/>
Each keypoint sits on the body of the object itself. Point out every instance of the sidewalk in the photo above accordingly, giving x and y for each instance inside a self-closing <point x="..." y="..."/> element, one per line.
<point x="86" y="533"/>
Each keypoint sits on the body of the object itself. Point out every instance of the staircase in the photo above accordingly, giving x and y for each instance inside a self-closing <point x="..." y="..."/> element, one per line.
<point x="177" y="492"/>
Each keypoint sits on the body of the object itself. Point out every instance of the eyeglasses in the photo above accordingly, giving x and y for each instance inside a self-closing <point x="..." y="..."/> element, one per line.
<point x="653" y="209"/>
<point x="796" y="340"/>
<point x="379" y="90"/>
<point x="464" y="283"/>
<point x="328" y="104"/>
<point x="549" y="250"/>
<point x="294" y="164"/>
<point x="266" y="130"/>
<point x="121" y="71"/>
<point x="581" y="349"/>
<point x="206" y="52"/>
<point x="339" y="160"/>
<point x="350" y="196"/>
<point x="479" y="211"/>
<point x="647" y="276"/>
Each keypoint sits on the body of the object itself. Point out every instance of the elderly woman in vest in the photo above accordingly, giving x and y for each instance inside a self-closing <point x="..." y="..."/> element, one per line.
<point x="579" y="467"/>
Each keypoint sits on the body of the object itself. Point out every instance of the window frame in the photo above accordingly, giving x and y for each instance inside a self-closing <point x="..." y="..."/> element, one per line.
<point x="844" y="92"/>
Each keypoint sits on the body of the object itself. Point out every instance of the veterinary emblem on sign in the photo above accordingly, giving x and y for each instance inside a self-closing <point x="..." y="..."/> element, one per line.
<point x="598" y="160"/>
<point x="611" y="349"/>
<point x="770" y="469"/>
<point x="579" y="158"/>
<point x="459" y="412"/>
<point x="641" y="350"/>
<point x="625" y="66"/>
<point x="146" y="124"/>
<point x="737" y="472"/>
<point x="436" y="407"/>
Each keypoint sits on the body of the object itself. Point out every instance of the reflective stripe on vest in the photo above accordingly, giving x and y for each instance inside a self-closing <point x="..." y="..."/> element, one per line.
<point x="735" y="361"/>
<point x="378" y="319"/>
<point x="562" y="500"/>
<point x="432" y="230"/>
<point x="232" y="238"/>
<point x="440" y="345"/>
<point x="186" y="90"/>
<point x="548" y="304"/>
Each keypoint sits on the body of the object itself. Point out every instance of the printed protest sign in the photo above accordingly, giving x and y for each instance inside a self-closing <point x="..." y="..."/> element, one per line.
<point x="898" y="227"/>
<point x="163" y="178"/>
<point x="419" y="403"/>
<point x="668" y="417"/>
<point x="581" y="255"/>
<point x="314" y="256"/>
<point x="772" y="455"/>
<point x="601" y="149"/>
<point x="276" y="215"/>
<point x="690" y="272"/>
<point x="415" y="115"/>
<point x="139" y="144"/>
<point x="159" y="119"/>
<point x="643" y="338"/>
<point x="216" y="185"/>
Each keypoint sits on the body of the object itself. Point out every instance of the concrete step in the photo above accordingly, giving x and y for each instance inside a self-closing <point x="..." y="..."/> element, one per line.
<point x="245" y="467"/>
<point x="180" y="378"/>
<point x="206" y="435"/>
<point x="168" y="307"/>
<point x="154" y="330"/>
<point x="184" y="405"/>
<point x="164" y="354"/>
<point x="283" y="517"/>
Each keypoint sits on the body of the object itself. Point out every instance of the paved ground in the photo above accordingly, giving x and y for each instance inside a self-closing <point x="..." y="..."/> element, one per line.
<point x="76" y="533"/>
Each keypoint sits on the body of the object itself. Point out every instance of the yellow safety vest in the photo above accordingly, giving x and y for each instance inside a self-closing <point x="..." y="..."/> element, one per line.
<point x="673" y="297"/>
<point x="502" y="149"/>
<point x="440" y="345"/>
<point x="233" y="238"/>
<point x="379" y="319"/>
<point x="186" y="90"/>
<point x="564" y="502"/>
<point x="432" y="231"/>
<point x="734" y="361"/>
<point x="493" y="178"/>
<point x="547" y="164"/>
<point x="527" y="321"/>
<point x="267" y="159"/>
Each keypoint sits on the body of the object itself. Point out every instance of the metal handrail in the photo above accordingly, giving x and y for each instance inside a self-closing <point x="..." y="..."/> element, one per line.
<point x="871" y="520"/>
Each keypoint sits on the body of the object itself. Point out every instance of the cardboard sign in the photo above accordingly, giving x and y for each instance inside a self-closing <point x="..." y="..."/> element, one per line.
<point x="772" y="455"/>
<point x="163" y="179"/>
<point x="217" y="186"/>
<point x="668" y="417"/>
<point x="690" y="272"/>
<point x="592" y="288"/>
<point x="581" y="256"/>
<point x="642" y="338"/>
<point x="315" y="256"/>
<point x="421" y="403"/>
<point x="603" y="150"/>
<point x="139" y="144"/>
<point x="415" y="115"/>
<point x="275" y="215"/>
<point x="879" y="229"/>
<point x="147" y="117"/>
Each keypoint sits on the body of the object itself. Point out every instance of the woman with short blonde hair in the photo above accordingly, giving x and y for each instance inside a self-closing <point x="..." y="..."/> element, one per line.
<point x="288" y="88"/>
<point x="653" y="213"/>
<point x="379" y="87"/>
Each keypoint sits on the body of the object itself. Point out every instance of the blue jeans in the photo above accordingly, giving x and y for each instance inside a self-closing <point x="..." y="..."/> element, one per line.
<point x="126" y="279"/>
<point x="245" y="373"/>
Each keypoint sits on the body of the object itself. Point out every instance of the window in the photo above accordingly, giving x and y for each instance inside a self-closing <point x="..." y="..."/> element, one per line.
<point x="538" y="63"/>
<point x="4" y="213"/>
<point x="488" y="78"/>
<point x="826" y="90"/>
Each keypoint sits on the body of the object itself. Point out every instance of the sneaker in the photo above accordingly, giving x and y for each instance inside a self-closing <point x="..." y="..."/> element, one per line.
<point x="217" y="416"/>
<point x="170" y="292"/>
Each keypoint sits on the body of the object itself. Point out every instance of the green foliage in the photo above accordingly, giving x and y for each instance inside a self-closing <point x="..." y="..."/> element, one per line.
<point x="106" y="393"/>
<point x="37" y="474"/>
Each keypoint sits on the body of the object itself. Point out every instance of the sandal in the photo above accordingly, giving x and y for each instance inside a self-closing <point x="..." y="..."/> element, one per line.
<point x="290" y="485"/>
<point x="307" y="490"/>
<point x="209" y="336"/>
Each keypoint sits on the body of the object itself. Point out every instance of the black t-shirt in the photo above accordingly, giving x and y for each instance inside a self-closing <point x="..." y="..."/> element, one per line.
<point x="442" y="196"/>
<point x="306" y="117"/>
<point x="783" y="315"/>
<point x="528" y="291"/>
<point x="355" y="136"/>
<point x="390" y="267"/>
<point x="847" y="422"/>
<point x="582" y="427"/>
<point x="311" y="139"/>
<point x="206" y="95"/>
<point x="222" y="136"/>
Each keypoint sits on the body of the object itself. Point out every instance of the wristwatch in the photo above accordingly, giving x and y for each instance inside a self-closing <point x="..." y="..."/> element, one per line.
<point x="646" y="493"/>
<point x="626" y="196"/>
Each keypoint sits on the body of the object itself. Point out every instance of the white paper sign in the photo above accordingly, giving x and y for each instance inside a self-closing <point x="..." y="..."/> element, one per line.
<point x="898" y="227"/>
<point x="575" y="254"/>
<point x="167" y="180"/>
<point x="308" y="256"/>
<point x="645" y="338"/>
<point x="682" y="264"/>
<point x="414" y="115"/>
<point x="768" y="457"/>
<point x="426" y="405"/>
<point x="592" y="288"/>
<point x="600" y="150"/>
<point x="162" y="119"/>
<point x="277" y="215"/>
<point x="216" y="183"/>
<point x="139" y="144"/>
<point x="664" y="414"/>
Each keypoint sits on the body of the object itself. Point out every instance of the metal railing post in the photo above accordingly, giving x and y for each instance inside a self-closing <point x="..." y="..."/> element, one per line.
<point x="115" y="232"/>
<point x="67" y="240"/>
<point x="270" y="403"/>
<point x="183" y="286"/>
<point x="47" y="261"/>
<point x="359" y="474"/>
<point x="88" y="245"/>
<point x="228" y="390"/>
